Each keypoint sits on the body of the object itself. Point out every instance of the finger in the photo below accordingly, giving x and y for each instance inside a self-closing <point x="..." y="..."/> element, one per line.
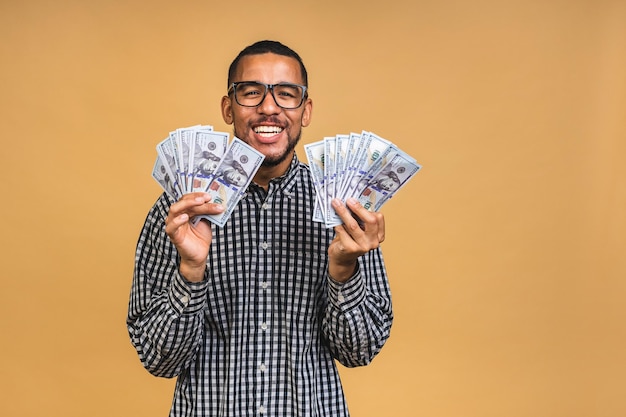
<point x="350" y="223"/>
<point x="201" y="228"/>
<point x="373" y="223"/>
<point x="381" y="226"/>
<point x="361" y="212"/>
<point x="190" y="200"/>
<point x="343" y="245"/>
<point x="195" y="204"/>
<point x="173" y="223"/>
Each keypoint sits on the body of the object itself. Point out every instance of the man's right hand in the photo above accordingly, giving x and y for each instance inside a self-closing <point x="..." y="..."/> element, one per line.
<point x="191" y="241"/>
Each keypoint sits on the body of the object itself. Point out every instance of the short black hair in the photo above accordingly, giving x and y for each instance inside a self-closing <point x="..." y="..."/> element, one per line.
<point x="264" y="47"/>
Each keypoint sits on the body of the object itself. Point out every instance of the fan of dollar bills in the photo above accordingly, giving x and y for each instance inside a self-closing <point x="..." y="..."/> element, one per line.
<point x="364" y="166"/>
<point x="197" y="158"/>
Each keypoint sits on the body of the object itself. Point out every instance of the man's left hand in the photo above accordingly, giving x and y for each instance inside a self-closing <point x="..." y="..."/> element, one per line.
<point x="361" y="231"/>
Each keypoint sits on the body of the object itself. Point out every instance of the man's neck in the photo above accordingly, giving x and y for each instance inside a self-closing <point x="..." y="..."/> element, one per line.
<point x="265" y="174"/>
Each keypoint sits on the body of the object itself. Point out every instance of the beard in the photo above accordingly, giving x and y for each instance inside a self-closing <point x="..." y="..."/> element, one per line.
<point x="274" y="160"/>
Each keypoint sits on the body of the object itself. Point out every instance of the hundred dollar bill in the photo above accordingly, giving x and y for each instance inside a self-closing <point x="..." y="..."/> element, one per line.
<point x="351" y="152"/>
<point x="208" y="151"/>
<point x="341" y="150"/>
<point x="341" y="156"/>
<point x="315" y="156"/>
<point x="162" y="174"/>
<point x="330" y="172"/>
<point x="318" y="210"/>
<point x="184" y="137"/>
<point x="384" y="155"/>
<point x="358" y="168"/>
<point x="368" y="158"/>
<point x="388" y="180"/>
<point x="166" y="152"/>
<point x="373" y="148"/>
<point x="232" y="177"/>
<point x="341" y="153"/>
<point x="173" y="146"/>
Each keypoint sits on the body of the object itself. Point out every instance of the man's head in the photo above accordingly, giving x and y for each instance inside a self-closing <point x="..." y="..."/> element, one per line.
<point x="267" y="117"/>
<point x="265" y="47"/>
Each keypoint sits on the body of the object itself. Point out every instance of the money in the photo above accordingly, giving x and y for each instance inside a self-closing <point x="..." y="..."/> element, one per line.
<point x="315" y="156"/>
<point x="363" y="166"/>
<point x="167" y="155"/>
<point x="199" y="159"/>
<point x="232" y="177"/>
<point x="388" y="180"/>
<point x="163" y="175"/>
<point x="208" y="150"/>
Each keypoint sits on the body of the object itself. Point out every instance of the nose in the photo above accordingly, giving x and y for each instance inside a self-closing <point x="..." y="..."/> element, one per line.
<point x="268" y="105"/>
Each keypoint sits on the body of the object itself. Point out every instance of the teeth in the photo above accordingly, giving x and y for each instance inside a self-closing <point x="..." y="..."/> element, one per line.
<point x="268" y="130"/>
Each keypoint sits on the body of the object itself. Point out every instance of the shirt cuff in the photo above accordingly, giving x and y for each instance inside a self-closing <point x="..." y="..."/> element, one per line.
<point x="187" y="297"/>
<point x="349" y="294"/>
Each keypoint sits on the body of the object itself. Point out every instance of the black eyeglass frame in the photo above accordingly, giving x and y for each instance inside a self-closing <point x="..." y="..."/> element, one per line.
<point x="270" y="88"/>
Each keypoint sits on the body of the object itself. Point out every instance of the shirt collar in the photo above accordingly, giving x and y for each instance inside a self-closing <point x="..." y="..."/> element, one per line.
<point x="287" y="181"/>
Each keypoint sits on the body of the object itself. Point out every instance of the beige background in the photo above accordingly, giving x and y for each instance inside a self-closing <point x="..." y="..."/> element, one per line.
<point x="506" y="253"/>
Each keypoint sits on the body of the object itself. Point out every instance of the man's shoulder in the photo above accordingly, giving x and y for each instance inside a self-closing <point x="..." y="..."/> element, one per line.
<point x="161" y="207"/>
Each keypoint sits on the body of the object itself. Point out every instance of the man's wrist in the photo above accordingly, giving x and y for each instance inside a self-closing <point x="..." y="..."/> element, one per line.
<point x="192" y="273"/>
<point x="342" y="272"/>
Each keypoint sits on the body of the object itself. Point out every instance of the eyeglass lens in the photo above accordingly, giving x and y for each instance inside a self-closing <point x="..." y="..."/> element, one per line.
<point x="251" y="94"/>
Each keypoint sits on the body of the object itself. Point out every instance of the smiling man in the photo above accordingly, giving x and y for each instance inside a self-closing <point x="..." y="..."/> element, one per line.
<point x="251" y="317"/>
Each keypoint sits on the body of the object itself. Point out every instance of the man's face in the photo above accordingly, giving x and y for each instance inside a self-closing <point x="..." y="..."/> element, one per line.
<point x="268" y="128"/>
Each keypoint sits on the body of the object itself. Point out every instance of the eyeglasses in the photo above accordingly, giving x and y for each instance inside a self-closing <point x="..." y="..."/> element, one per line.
<point x="251" y="94"/>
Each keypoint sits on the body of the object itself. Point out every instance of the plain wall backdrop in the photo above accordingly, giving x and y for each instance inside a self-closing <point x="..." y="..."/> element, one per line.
<point x="506" y="253"/>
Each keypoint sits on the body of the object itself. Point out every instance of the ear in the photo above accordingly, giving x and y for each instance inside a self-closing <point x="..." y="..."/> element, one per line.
<point x="307" y="113"/>
<point x="227" y="110"/>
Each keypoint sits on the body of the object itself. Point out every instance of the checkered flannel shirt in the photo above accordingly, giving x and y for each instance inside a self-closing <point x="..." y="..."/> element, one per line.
<point x="259" y="336"/>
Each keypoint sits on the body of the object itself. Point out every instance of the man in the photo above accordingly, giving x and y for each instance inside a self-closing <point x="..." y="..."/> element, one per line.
<point x="251" y="317"/>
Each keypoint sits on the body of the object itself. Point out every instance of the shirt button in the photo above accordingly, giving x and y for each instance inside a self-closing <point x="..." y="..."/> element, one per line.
<point x="262" y="368"/>
<point x="340" y="298"/>
<point x="265" y="206"/>
<point x="263" y="326"/>
<point x="265" y="245"/>
<point x="262" y="410"/>
<point x="264" y="285"/>
<point x="185" y="300"/>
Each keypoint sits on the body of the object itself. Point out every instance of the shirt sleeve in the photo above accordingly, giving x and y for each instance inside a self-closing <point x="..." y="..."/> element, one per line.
<point x="358" y="317"/>
<point x="165" y="312"/>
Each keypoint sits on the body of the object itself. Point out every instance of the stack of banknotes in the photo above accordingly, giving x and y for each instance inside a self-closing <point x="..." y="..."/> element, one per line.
<point x="197" y="158"/>
<point x="364" y="166"/>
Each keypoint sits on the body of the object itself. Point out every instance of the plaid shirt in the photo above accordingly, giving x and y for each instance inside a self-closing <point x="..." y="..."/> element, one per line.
<point x="260" y="334"/>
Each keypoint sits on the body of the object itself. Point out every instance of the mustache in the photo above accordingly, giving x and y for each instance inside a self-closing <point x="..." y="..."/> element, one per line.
<point x="267" y="119"/>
